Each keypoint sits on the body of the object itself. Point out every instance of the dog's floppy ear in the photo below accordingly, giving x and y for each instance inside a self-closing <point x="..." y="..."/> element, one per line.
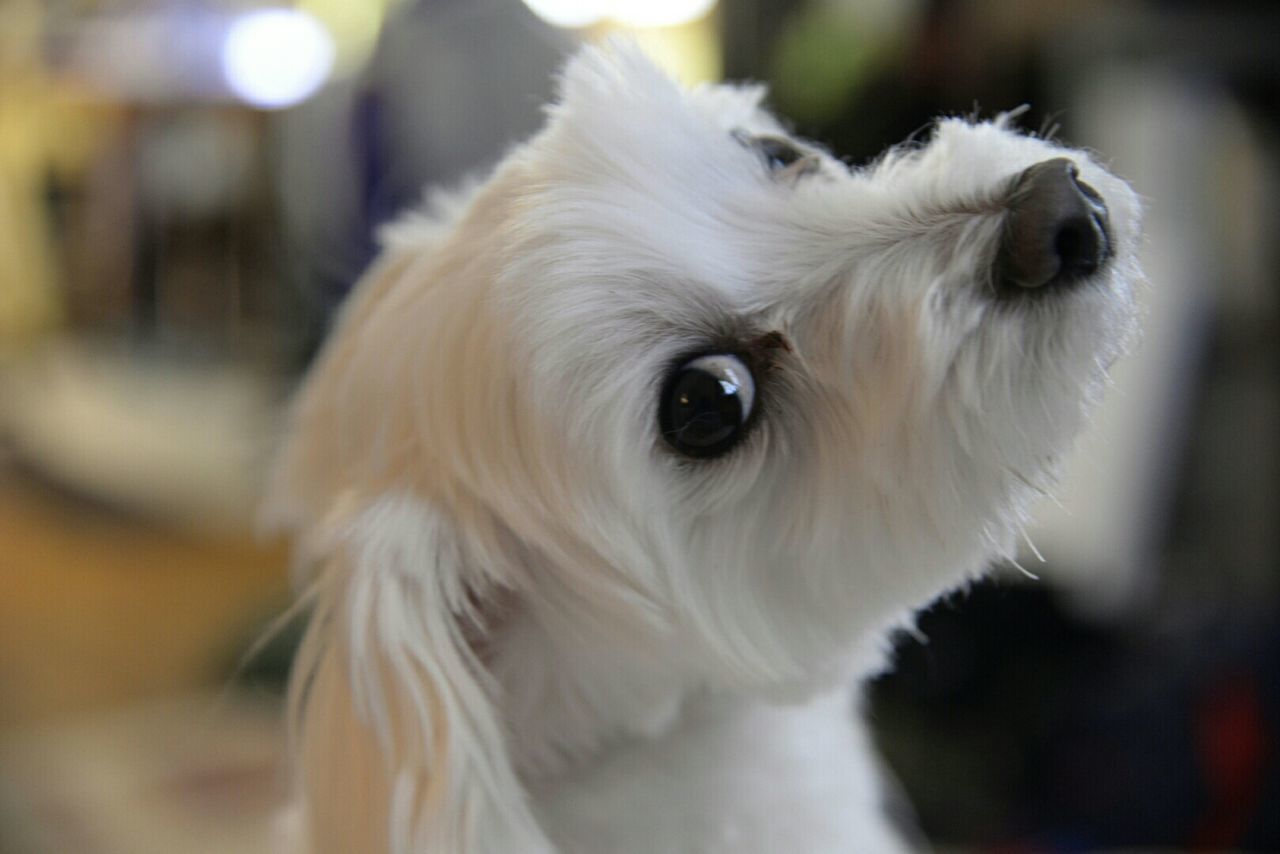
<point x="398" y="744"/>
<point x="396" y="738"/>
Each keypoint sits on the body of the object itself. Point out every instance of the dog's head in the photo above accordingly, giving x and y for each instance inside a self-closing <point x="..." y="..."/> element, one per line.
<point x="673" y="377"/>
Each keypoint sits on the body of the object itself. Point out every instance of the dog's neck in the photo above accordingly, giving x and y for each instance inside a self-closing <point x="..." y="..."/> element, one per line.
<point x="597" y="729"/>
<point x="570" y="696"/>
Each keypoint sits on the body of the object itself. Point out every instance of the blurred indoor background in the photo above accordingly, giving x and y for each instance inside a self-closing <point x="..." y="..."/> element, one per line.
<point x="189" y="187"/>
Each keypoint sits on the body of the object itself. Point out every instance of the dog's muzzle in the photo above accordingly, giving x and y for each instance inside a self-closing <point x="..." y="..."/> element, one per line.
<point x="1057" y="231"/>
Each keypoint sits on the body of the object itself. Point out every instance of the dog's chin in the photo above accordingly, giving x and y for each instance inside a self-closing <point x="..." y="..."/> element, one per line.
<point x="1017" y="394"/>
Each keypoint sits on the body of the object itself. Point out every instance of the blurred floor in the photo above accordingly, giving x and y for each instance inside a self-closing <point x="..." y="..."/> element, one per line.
<point x="120" y="732"/>
<point x="192" y="775"/>
<point x="100" y="608"/>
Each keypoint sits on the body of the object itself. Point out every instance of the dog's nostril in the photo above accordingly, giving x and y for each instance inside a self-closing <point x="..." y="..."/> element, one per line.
<point x="1056" y="231"/>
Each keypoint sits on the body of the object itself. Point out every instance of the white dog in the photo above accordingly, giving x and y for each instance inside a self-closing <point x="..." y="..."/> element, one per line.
<point x="617" y="469"/>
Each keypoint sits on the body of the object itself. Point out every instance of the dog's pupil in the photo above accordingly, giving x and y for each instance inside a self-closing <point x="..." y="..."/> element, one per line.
<point x="707" y="409"/>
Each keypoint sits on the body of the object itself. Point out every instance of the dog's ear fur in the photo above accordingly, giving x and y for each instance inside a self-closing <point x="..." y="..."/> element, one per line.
<point x="397" y="742"/>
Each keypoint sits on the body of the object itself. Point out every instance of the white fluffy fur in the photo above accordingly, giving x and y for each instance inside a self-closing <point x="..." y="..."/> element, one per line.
<point x="539" y="629"/>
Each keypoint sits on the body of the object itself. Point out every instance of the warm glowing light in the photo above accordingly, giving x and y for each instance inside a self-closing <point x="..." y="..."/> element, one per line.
<point x="354" y="26"/>
<point x="275" y="58"/>
<point x="690" y="53"/>
<point x="633" y="13"/>
<point x="658" y="13"/>
<point x="569" y="13"/>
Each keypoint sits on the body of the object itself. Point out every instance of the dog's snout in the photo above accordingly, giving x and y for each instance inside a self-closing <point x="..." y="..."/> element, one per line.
<point x="1057" y="231"/>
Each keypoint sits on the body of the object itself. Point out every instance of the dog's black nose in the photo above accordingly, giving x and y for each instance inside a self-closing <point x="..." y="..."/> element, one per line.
<point x="1056" y="232"/>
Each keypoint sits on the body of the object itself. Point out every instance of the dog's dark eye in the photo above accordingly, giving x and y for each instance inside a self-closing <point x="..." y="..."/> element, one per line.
<point x="781" y="155"/>
<point x="705" y="405"/>
<point x="777" y="152"/>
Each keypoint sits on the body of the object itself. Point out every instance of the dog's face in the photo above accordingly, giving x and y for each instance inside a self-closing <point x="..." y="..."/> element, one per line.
<point x="678" y="377"/>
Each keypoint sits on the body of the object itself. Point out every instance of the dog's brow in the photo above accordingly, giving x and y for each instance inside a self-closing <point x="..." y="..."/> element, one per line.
<point x="773" y="340"/>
